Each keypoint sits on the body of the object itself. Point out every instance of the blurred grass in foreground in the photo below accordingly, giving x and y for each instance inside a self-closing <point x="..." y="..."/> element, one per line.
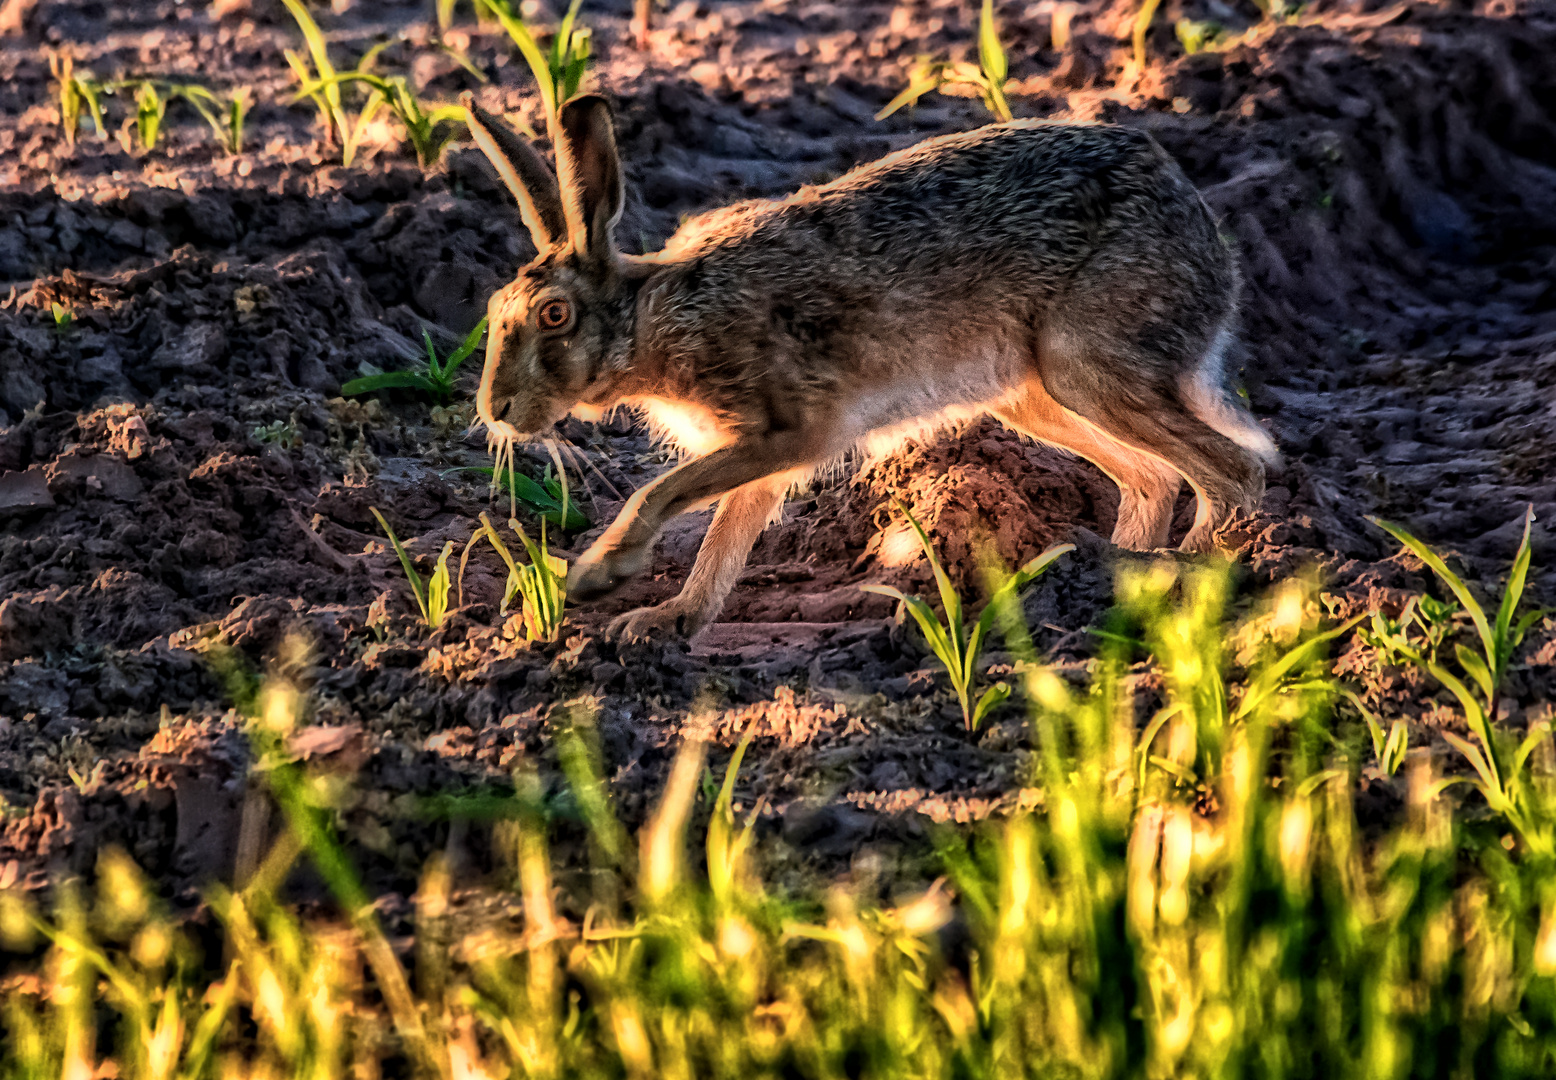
<point x="1195" y="898"/>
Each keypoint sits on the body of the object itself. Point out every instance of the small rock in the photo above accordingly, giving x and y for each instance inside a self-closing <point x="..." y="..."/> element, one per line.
<point x="199" y="346"/>
<point x="100" y="472"/>
<point x="18" y="389"/>
<point x="24" y="491"/>
<point x="128" y="234"/>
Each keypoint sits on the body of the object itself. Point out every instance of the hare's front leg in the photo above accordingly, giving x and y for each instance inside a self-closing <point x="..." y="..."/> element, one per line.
<point x="741" y="517"/>
<point x="624" y="548"/>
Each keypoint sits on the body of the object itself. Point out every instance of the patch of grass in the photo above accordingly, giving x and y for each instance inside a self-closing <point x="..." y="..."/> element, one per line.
<point x="1198" y="35"/>
<point x="326" y="97"/>
<point x="224" y="115"/>
<point x="436" y="381"/>
<point x="540" y="585"/>
<point x="559" y="70"/>
<point x="545" y="498"/>
<point x="954" y="643"/>
<point x="432" y="596"/>
<point x="1205" y="907"/>
<point x="320" y="82"/>
<point x="987" y="77"/>
<point x="150" y="108"/>
<point x="74" y="90"/>
<point x="282" y="433"/>
<point x="424" y="127"/>
<point x="1500" y="766"/>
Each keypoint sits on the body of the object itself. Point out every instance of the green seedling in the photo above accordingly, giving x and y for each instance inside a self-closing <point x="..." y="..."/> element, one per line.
<point x="279" y="433"/>
<point x="954" y="644"/>
<point x="225" y="117"/>
<point x="1499" y="775"/>
<point x="988" y="76"/>
<point x="332" y="113"/>
<point x="558" y="71"/>
<point x="545" y="499"/>
<point x="1388" y="749"/>
<point x="541" y="586"/>
<point x="1130" y="927"/>
<point x="423" y="126"/>
<point x="64" y="319"/>
<point x="431" y="597"/>
<point x="437" y="381"/>
<point x="146" y="123"/>
<point x="1196" y="35"/>
<point x="150" y="108"/>
<point x="1142" y="24"/>
<point x="75" y="90"/>
<point x="462" y="58"/>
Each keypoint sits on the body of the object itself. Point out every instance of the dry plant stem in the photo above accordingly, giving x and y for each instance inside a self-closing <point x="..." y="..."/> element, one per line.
<point x="1142" y="26"/>
<point x="641" y="10"/>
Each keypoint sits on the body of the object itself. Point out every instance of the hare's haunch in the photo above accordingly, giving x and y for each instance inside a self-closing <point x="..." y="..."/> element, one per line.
<point x="1066" y="278"/>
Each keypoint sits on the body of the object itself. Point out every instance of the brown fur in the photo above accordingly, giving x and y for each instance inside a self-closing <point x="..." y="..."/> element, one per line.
<point x="1066" y="278"/>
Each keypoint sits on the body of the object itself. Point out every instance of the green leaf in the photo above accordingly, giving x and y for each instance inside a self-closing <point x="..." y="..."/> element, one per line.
<point x="329" y="103"/>
<point x="1374" y="727"/>
<point x="1537" y="734"/>
<point x="1167" y="765"/>
<point x="1394" y="750"/>
<point x="149" y="108"/>
<point x="991" y="698"/>
<point x="950" y="599"/>
<point x="389" y="380"/>
<point x="543" y="501"/>
<point x="539" y="64"/>
<point x="432" y="355"/>
<point x="438" y="588"/>
<point x="1268" y="680"/>
<point x="472" y="339"/>
<point x="1466" y="599"/>
<point x="375" y="101"/>
<point x="1525" y="623"/>
<point x="991" y="54"/>
<point x="1489" y="786"/>
<point x="405" y="561"/>
<point x="1015" y="583"/>
<point x="920" y="85"/>
<point x="1475" y="665"/>
<point x="1512" y="595"/>
<point x="935" y="635"/>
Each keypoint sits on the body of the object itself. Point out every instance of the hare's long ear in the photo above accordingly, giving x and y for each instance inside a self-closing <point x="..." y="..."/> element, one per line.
<point x="524" y="171"/>
<point x="590" y="174"/>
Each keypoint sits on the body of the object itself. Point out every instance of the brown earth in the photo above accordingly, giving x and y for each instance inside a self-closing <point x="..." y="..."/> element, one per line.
<point x="1388" y="175"/>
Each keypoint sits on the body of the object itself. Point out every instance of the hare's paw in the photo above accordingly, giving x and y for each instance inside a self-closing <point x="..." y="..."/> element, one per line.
<point x="659" y="623"/>
<point x="599" y="572"/>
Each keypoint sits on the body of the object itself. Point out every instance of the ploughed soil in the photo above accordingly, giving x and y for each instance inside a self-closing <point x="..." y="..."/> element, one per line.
<point x="183" y="490"/>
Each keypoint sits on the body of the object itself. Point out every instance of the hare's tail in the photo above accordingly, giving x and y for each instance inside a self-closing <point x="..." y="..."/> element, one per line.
<point x="1206" y="394"/>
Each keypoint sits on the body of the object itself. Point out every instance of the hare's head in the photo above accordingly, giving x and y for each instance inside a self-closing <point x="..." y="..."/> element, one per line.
<point x="559" y="332"/>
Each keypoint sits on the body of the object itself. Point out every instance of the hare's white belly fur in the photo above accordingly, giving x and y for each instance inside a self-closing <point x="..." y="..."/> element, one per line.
<point x="922" y="399"/>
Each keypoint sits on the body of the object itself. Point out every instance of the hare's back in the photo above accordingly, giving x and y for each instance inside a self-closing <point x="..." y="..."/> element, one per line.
<point x="1052" y="192"/>
<point x="1029" y="198"/>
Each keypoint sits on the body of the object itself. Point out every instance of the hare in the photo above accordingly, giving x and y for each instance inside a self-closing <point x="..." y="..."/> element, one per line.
<point x="1066" y="278"/>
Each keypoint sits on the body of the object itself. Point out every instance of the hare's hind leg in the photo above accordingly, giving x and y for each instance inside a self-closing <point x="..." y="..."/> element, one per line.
<point x="1139" y="399"/>
<point x="1147" y="487"/>
<point x="741" y="517"/>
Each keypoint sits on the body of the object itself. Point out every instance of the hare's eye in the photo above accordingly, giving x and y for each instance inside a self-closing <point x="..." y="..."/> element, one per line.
<point x="554" y="314"/>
